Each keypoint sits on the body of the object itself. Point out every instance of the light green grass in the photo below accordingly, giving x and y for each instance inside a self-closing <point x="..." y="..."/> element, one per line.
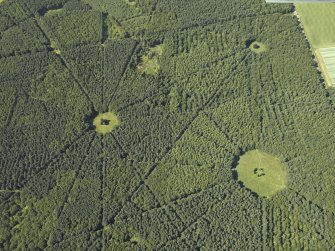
<point x="53" y="12"/>
<point x="150" y="63"/>
<point x="170" y="181"/>
<point x="318" y="20"/>
<point x="262" y="47"/>
<point x="105" y="122"/>
<point x="2" y="1"/>
<point x="131" y="2"/>
<point x="54" y="46"/>
<point x="9" y="191"/>
<point x="115" y="29"/>
<point x="263" y="173"/>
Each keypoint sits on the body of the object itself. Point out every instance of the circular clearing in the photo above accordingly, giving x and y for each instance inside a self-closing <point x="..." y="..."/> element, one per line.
<point x="258" y="47"/>
<point x="261" y="172"/>
<point x="105" y="122"/>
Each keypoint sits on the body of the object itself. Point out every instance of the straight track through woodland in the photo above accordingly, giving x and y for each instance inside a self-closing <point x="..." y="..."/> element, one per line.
<point x="38" y="25"/>
<point x="179" y="136"/>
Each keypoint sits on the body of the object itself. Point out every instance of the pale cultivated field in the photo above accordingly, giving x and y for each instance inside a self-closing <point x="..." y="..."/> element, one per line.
<point x="328" y="56"/>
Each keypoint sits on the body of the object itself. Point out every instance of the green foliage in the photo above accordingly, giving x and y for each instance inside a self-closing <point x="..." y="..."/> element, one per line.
<point x="11" y="14"/>
<point x="119" y="9"/>
<point x="28" y="40"/>
<point x="74" y="27"/>
<point x="164" y="178"/>
<point x="115" y="31"/>
<point x="150" y="61"/>
<point x="300" y="225"/>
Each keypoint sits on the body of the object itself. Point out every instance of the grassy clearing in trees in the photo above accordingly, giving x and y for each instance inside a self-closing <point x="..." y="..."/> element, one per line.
<point x="105" y="122"/>
<point x="261" y="172"/>
<point x="258" y="47"/>
<point x="150" y="61"/>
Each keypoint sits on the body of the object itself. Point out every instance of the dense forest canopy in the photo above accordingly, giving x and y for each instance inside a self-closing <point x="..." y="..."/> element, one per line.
<point x="122" y="123"/>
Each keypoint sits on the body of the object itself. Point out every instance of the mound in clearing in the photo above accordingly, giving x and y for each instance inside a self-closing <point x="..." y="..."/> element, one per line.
<point x="105" y="122"/>
<point x="262" y="173"/>
<point x="258" y="47"/>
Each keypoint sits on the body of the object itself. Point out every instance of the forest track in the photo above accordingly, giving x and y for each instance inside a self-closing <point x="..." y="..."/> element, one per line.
<point x="154" y="9"/>
<point x="103" y="221"/>
<point x="215" y="142"/>
<point x="38" y="26"/>
<point x="11" y="111"/>
<point x="77" y="172"/>
<point x="173" y="202"/>
<point x="263" y="221"/>
<point x="323" y="210"/>
<point x="179" y="135"/>
<point x="173" y="210"/>
<point x="182" y="132"/>
<point x="22" y="54"/>
<point x="181" y="235"/>
<point x="104" y="28"/>
<point x="58" y="155"/>
<point x="216" y="124"/>
<point x="300" y="157"/>
<point x="180" y="199"/>
<point x="234" y="19"/>
<point x="67" y="194"/>
<point x="158" y="92"/>
<point x="82" y="88"/>
<point x="209" y="101"/>
<point x="138" y="174"/>
<point x="124" y="71"/>
<point x="139" y="101"/>
<point x="103" y="64"/>
<point x="216" y="22"/>
<point x="76" y="236"/>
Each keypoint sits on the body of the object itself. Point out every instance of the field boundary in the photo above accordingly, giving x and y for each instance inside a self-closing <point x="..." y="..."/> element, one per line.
<point x="327" y="64"/>
<point x="323" y="67"/>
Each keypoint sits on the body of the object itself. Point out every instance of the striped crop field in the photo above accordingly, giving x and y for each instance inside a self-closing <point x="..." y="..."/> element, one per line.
<point x="328" y="56"/>
<point x="318" y="20"/>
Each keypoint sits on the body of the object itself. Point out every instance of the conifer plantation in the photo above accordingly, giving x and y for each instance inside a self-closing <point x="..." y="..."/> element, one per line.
<point x="162" y="125"/>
